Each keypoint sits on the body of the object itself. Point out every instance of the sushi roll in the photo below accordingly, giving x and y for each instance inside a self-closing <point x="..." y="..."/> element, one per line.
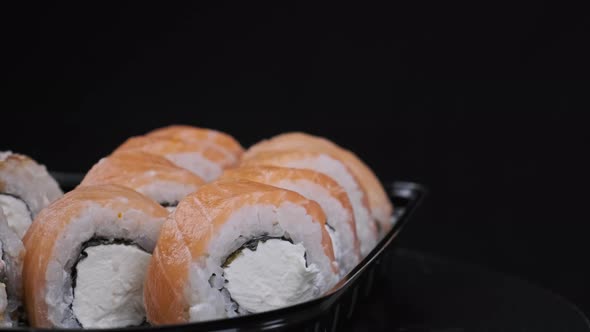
<point x="205" y="160"/>
<point x="12" y="252"/>
<point x="25" y="189"/>
<point x="151" y="175"/>
<point x="320" y="188"/>
<point x="86" y="258"/>
<point x="238" y="247"/>
<point x="228" y="144"/>
<point x="366" y="228"/>
<point x="379" y="203"/>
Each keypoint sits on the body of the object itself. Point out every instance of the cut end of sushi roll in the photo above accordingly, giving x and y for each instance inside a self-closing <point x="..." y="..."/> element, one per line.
<point x="380" y="205"/>
<point x="197" y="163"/>
<point x="238" y="247"/>
<point x="12" y="253"/>
<point x="257" y="286"/>
<point x="322" y="189"/>
<point x="17" y="212"/>
<point x="25" y="189"/>
<point x="149" y="174"/>
<point x="205" y="160"/>
<point x="241" y="270"/>
<point x="108" y="285"/>
<point x="226" y="142"/>
<point x="86" y="258"/>
<point x="331" y="166"/>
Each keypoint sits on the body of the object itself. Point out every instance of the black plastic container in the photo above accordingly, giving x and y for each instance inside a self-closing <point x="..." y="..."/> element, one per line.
<point x="332" y="311"/>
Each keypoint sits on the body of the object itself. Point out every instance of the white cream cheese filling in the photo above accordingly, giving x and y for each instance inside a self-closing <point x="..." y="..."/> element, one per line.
<point x="271" y="277"/>
<point x="17" y="214"/>
<point x="109" y="286"/>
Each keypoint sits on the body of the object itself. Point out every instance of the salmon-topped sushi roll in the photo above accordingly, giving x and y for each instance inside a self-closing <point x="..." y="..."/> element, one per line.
<point x="379" y="203"/>
<point x="149" y="174"/>
<point x="332" y="166"/>
<point x="86" y="258"/>
<point x="25" y="189"/>
<point x="322" y="189"/>
<point x="205" y="160"/>
<point x="238" y="247"/>
<point x="12" y="253"/>
<point x="202" y="135"/>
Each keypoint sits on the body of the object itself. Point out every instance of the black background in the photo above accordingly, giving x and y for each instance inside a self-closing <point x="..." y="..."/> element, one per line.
<point x="483" y="103"/>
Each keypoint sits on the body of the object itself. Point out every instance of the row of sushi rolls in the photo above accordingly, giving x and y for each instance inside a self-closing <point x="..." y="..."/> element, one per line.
<point x="182" y="225"/>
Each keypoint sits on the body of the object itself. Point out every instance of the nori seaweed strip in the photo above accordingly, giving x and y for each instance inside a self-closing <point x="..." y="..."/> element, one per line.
<point x="20" y="316"/>
<point x="169" y="204"/>
<point x="330" y="227"/>
<point x="99" y="241"/>
<point x="379" y="228"/>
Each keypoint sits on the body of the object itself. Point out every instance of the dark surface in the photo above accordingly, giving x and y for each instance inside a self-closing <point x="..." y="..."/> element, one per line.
<point x="440" y="93"/>
<point x="425" y="292"/>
